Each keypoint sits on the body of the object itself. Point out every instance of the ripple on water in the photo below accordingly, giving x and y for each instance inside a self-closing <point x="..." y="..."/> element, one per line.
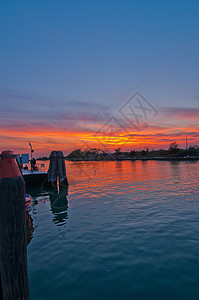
<point x="127" y="230"/>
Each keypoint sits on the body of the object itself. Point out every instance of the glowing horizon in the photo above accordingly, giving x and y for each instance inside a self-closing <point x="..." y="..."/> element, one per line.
<point x="49" y="138"/>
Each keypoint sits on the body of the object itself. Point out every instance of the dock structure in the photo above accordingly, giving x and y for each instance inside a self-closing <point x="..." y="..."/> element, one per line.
<point x="13" y="240"/>
<point x="57" y="170"/>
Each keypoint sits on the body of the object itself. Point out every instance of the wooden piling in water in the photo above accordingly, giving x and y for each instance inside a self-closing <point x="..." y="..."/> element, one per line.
<point x="57" y="170"/>
<point x="13" y="249"/>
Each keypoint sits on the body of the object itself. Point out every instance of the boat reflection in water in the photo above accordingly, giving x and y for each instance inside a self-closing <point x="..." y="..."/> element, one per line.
<point x="58" y="202"/>
<point x="59" y="205"/>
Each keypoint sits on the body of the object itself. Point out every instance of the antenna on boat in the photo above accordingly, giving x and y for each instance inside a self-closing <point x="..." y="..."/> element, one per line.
<point x="32" y="160"/>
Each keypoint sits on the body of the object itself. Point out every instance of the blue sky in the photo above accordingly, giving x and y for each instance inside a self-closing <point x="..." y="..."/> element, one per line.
<point x="59" y="55"/>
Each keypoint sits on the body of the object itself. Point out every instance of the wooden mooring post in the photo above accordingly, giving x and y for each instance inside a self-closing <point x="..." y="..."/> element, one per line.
<point x="13" y="249"/>
<point x="57" y="170"/>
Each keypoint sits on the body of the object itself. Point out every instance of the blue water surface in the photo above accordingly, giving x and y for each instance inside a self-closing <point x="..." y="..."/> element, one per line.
<point x="126" y="230"/>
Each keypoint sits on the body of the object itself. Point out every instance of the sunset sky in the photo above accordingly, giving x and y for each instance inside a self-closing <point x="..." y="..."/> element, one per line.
<point x="103" y="73"/>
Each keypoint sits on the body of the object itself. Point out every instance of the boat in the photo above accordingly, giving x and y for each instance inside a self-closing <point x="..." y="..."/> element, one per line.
<point x="33" y="174"/>
<point x="34" y="178"/>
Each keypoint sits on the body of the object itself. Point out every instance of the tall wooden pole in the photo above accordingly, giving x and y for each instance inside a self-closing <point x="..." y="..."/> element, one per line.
<point x="13" y="249"/>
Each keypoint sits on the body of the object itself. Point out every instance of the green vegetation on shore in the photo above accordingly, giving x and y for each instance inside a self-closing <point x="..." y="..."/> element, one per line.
<point x="173" y="152"/>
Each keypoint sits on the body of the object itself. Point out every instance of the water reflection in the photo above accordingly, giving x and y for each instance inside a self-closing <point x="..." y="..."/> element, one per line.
<point x="58" y="202"/>
<point x="119" y="166"/>
<point x="59" y="205"/>
<point x="35" y="192"/>
<point x="29" y="227"/>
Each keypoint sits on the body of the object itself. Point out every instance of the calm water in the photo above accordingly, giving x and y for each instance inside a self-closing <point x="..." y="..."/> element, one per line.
<point x="128" y="230"/>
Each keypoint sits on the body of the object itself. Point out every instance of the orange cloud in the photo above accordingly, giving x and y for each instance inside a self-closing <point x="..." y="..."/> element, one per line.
<point x="48" y="127"/>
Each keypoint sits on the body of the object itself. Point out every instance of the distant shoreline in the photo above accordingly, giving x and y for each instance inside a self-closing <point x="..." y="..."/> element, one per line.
<point x="172" y="154"/>
<point x="140" y="159"/>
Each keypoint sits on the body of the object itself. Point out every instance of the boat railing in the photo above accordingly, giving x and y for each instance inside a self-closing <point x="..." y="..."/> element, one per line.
<point x="41" y="167"/>
<point x="38" y="167"/>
